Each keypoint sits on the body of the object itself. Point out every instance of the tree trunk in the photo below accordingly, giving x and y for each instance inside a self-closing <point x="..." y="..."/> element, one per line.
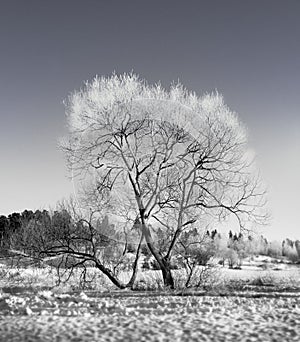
<point x="190" y="273"/>
<point x="110" y="276"/>
<point x="135" y="264"/>
<point x="163" y="263"/>
<point x="167" y="275"/>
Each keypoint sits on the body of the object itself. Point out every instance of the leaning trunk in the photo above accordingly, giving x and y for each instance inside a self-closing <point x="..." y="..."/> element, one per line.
<point x="135" y="264"/>
<point x="110" y="276"/>
<point x="164" y="264"/>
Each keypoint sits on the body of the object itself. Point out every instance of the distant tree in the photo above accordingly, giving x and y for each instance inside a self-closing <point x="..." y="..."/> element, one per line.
<point x="251" y="246"/>
<point x="260" y="245"/>
<point x="4" y="231"/>
<point x="32" y="225"/>
<point x="241" y="247"/>
<point x="297" y="246"/>
<point x="287" y="244"/>
<point x="289" y="250"/>
<point x="214" y="233"/>
<point x="291" y="254"/>
<point x="232" y="257"/>
<point x="235" y="237"/>
<point x="26" y="216"/>
<point x="15" y="222"/>
<point x="274" y="249"/>
<point x="14" y="225"/>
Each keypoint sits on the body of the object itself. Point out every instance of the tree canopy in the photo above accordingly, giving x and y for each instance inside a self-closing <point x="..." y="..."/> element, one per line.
<point x="168" y="158"/>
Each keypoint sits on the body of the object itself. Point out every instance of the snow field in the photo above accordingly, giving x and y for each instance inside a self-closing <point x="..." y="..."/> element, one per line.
<point x="163" y="318"/>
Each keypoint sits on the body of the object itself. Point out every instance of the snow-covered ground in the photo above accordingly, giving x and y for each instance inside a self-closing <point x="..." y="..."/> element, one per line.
<point x="49" y="317"/>
<point x="262" y="305"/>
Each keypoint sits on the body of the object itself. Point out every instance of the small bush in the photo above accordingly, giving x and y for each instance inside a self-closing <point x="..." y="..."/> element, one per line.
<point x="232" y="257"/>
<point x="150" y="281"/>
<point x="237" y="267"/>
<point x="3" y="273"/>
<point x="131" y="248"/>
<point x="292" y="255"/>
<point x="266" y="280"/>
<point x="145" y="250"/>
<point x="154" y="265"/>
<point x="146" y="264"/>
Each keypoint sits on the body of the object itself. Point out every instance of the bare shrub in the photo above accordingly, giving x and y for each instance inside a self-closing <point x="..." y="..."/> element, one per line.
<point x="232" y="257"/>
<point x="291" y="253"/>
<point x="263" y="280"/>
<point x="150" y="281"/>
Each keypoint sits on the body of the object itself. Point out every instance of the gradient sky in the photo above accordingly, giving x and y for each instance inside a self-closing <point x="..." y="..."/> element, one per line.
<point x="248" y="50"/>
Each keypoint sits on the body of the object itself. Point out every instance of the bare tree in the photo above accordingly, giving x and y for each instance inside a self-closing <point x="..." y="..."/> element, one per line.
<point x="74" y="240"/>
<point x="172" y="157"/>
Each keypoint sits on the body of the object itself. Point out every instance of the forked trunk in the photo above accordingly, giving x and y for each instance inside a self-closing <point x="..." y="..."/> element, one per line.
<point x="135" y="264"/>
<point x="163" y="263"/>
<point x="114" y="279"/>
<point x="167" y="276"/>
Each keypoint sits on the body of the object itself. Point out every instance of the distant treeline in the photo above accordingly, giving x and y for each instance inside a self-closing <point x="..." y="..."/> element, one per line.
<point x="232" y="246"/>
<point x="13" y="226"/>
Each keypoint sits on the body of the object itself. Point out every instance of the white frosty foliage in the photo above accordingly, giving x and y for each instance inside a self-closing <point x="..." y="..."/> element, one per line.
<point x="109" y="102"/>
<point x="121" y="124"/>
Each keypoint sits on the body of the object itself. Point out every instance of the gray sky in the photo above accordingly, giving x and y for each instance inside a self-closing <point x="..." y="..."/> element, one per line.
<point x="248" y="50"/>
